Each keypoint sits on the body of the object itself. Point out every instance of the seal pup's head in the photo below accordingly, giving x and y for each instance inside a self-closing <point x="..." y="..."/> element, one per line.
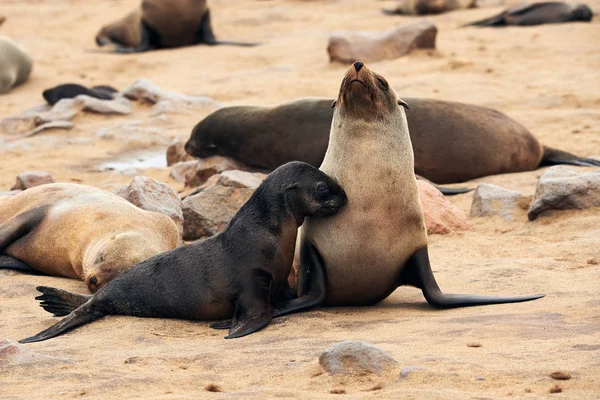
<point x="366" y="95"/>
<point x="306" y="191"/>
<point x="582" y="13"/>
<point x="112" y="256"/>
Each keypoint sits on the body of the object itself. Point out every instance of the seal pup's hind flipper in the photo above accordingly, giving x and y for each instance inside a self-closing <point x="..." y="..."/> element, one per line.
<point x="417" y="272"/>
<point x="20" y="225"/>
<point x="252" y="309"/>
<point x="557" y="157"/>
<point x="81" y="316"/>
<point x="8" y="262"/>
<point x="60" y="302"/>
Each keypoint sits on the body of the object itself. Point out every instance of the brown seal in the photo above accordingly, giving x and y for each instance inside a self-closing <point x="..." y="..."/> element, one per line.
<point x="378" y="241"/>
<point x="422" y="7"/>
<point x="81" y="232"/>
<point x="240" y="272"/>
<point x="537" y="14"/>
<point x="15" y="64"/>
<point x="452" y="142"/>
<point x="162" y="24"/>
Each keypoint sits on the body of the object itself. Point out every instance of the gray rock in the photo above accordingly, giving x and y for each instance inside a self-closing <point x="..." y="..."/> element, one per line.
<point x="408" y="370"/>
<point x="355" y="357"/>
<point x="181" y="170"/>
<point x="207" y="167"/>
<point x="491" y="200"/>
<point x="29" y="179"/>
<point x="176" y="153"/>
<point x="152" y="195"/>
<point x="562" y="188"/>
<point x="50" y="125"/>
<point x="240" y="179"/>
<point x="118" y="105"/>
<point x="14" y="353"/>
<point x="347" y="47"/>
<point x="208" y="212"/>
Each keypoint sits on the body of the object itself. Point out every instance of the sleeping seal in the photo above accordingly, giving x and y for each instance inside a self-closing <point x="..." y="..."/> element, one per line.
<point x="241" y="271"/>
<point x="537" y="14"/>
<point x="15" y="64"/>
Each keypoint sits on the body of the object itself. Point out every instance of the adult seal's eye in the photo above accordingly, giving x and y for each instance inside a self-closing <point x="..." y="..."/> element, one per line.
<point x="322" y="190"/>
<point x="383" y="83"/>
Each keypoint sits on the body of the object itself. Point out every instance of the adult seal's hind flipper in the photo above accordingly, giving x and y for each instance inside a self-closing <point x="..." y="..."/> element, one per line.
<point x="417" y="272"/>
<point x="206" y="35"/>
<point x="60" y="302"/>
<point x="8" y="262"/>
<point x="557" y="157"/>
<point x="20" y="225"/>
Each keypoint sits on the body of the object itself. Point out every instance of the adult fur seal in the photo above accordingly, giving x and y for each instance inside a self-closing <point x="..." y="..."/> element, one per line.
<point x="79" y="231"/>
<point x="378" y="241"/>
<point x="422" y="7"/>
<point x="452" y="142"/>
<point x="240" y="272"/>
<point x="15" y="64"/>
<point x="538" y="14"/>
<point x="71" y="90"/>
<point x="162" y="24"/>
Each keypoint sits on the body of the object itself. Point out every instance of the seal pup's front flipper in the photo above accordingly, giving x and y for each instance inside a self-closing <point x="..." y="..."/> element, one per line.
<point x="253" y="308"/>
<point x="148" y="40"/>
<point x="557" y="157"/>
<point x="8" y="262"/>
<point x="311" y="283"/>
<point x="20" y="225"/>
<point x="417" y="272"/>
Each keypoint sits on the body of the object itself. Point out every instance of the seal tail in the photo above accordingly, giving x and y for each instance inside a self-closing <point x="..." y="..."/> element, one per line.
<point x="557" y="157"/>
<point x="60" y="302"/>
<point x="418" y="273"/>
<point x="80" y="316"/>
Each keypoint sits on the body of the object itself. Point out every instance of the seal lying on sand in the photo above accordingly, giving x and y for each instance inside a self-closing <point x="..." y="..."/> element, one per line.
<point x="452" y="142"/>
<point x="538" y="14"/>
<point x="71" y="90"/>
<point x="162" y="24"/>
<point x="15" y="64"/>
<point x="378" y="241"/>
<point x="423" y="7"/>
<point x="240" y="272"/>
<point x="79" y="231"/>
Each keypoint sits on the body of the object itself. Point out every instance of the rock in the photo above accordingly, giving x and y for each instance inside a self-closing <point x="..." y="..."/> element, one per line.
<point x="347" y="47"/>
<point x="355" y="357"/>
<point x="118" y="105"/>
<point x="50" y="125"/>
<point x="166" y="101"/>
<point x="176" y="153"/>
<point x="441" y="216"/>
<point x="14" y="353"/>
<point x="408" y="370"/>
<point x="491" y="200"/>
<point x="181" y="170"/>
<point x="208" y="212"/>
<point x="207" y="167"/>
<point x="240" y="179"/>
<point x="152" y="195"/>
<point x="562" y="188"/>
<point x="29" y="179"/>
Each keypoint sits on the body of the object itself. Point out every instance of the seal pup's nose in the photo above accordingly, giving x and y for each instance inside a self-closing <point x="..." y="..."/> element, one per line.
<point x="358" y="65"/>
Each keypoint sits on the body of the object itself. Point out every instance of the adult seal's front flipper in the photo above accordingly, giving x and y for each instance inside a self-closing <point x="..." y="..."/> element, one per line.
<point x="417" y="272"/>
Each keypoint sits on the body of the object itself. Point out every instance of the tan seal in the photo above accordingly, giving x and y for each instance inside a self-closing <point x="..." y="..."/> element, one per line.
<point x="15" y="64"/>
<point x="378" y="241"/>
<point x="82" y="232"/>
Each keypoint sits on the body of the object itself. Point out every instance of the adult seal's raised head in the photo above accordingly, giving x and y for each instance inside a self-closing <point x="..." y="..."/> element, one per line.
<point x="378" y="241"/>
<point x="242" y="272"/>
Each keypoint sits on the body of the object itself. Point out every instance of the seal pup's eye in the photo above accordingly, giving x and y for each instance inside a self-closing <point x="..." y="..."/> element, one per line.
<point x="322" y="190"/>
<point x="383" y="83"/>
<point x="99" y="258"/>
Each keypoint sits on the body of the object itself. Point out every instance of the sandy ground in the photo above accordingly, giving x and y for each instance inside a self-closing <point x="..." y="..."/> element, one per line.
<point x="546" y="77"/>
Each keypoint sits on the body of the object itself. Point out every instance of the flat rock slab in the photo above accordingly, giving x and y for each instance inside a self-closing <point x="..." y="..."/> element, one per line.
<point x="208" y="212"/>
<point x="207" y="167"/>
<point x="356" y="357"/>
<point x="240" y="179"/>
<point x="441" y="216"/>
<point x="347" y="47"/>
<point x="563" y="188"/>
<point x="491" y="200"/>
<point x="29" y="179"/>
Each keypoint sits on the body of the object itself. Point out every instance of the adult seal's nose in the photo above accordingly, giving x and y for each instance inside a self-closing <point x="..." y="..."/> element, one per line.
<point x="358" y="65"/>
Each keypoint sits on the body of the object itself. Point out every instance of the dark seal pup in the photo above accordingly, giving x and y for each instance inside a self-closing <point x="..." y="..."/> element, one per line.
<point x="240" y="272"/>
<point x="72" y="90"/>
<point x="160" y="24"/>
<point x="452" y="142"/>
<point x="378" y="241"/>
<point x="537" y="14"/>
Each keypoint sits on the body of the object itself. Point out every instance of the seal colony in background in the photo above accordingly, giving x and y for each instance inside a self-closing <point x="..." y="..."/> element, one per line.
<point x="452" y="142"/>
<point x="78" y="231"/>
<point x="241" y="272"/>
<point x="160" y="24"/>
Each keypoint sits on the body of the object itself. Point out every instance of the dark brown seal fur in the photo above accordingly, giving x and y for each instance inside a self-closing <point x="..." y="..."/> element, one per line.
<point x="240" y="272"/>
<point x="452" y="142"/>
<point x="537" y="14"/>
<point x="71" y="90"/>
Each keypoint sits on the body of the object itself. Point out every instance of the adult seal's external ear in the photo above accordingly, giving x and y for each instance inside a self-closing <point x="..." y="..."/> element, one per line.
<point x="293" y="186"/>
<point x="333" y="104"/>
<point x="403" y="104"/>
